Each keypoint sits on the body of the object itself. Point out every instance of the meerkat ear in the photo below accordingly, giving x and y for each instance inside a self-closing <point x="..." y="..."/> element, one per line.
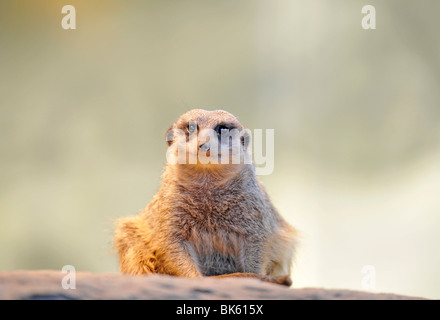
<point x="170" y="136"/>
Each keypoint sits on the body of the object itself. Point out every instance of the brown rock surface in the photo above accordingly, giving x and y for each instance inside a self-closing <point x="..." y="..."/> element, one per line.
<point x="47" y="284"/>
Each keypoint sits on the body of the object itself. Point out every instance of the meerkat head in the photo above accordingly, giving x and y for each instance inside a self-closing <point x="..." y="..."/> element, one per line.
<point x="208" y="140"/>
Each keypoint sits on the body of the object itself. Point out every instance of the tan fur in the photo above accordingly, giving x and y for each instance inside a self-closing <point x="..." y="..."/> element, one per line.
<point x="208" y="220"/>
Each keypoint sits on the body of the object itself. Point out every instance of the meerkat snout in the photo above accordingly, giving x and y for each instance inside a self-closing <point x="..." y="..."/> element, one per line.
<point x="205" y="147"/>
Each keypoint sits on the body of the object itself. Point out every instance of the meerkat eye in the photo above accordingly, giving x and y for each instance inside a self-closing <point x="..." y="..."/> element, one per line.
<point x="222" y="129"/>
<point x="192" y="127"/>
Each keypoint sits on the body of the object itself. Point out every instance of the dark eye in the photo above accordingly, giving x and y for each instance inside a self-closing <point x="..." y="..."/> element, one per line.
<point x="222" y="129"/>
<point x="192" y="127"/>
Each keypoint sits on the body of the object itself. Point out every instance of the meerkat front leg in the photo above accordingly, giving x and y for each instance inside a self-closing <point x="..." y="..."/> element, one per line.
<point x="181" y="260"/>
<point x="140" y="253"/>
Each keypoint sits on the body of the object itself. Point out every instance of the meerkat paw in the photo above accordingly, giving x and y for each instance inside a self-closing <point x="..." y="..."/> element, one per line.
<point x="282" y="280"/>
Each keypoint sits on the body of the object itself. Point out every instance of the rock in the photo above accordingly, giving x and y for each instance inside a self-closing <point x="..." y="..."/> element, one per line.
<point x="47" y="284"/>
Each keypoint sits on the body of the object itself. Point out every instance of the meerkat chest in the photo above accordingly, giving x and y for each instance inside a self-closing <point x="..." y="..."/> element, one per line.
<point x="226" y="232"/>
<point x="223" y="252"/>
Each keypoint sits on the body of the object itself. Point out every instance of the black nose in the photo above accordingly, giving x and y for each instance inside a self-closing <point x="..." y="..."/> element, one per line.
<point x="205" y="147"/>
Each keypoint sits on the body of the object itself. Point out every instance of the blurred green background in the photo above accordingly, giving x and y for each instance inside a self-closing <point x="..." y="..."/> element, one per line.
<point x="356" y="113"/>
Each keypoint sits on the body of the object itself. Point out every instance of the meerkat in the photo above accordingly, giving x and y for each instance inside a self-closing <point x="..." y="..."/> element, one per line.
<point x="208" y="219"/>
